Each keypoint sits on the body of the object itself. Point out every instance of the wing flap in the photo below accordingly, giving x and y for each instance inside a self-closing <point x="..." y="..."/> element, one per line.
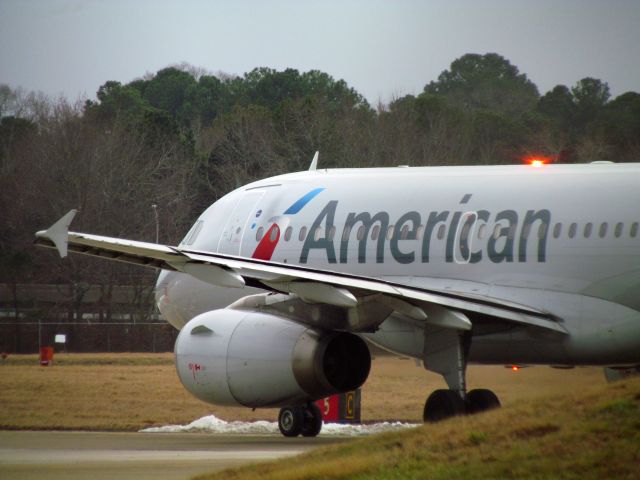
<point x="281" y="274"/>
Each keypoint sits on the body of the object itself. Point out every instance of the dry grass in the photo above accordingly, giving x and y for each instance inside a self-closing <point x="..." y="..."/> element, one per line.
<point x="133" y="391"/>
<point x="397" y="388"/>
<point x="100" y="392"/>
<point x="89" y="359"/>
<point x="592" y="433"/>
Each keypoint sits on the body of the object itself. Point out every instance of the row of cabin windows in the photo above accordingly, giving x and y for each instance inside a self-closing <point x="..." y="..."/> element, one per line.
<point x="482" y="231"/>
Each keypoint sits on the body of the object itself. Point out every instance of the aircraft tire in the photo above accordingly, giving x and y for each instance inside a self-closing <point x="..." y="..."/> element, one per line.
<point x="312" y="421"/>
<point x="443" y="404"/>
<point x="291" y="421"/>
<point x="481" y="400"/>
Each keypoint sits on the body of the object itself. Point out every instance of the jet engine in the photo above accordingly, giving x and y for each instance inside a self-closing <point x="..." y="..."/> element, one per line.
<point x="256" y="359"/>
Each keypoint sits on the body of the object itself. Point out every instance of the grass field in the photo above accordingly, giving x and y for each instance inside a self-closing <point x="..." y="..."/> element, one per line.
<point x="590" y="433"/>
<point x="133" y="391"/>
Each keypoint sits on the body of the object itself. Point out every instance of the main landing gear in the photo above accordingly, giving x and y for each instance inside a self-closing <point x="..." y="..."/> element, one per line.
<point x="445" y="352"/>
<point x="443" y="404"/>
<point x="303" y="420"/>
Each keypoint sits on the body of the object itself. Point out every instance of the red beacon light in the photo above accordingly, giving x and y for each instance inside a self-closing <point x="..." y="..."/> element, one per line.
<point x="536" y="162"/>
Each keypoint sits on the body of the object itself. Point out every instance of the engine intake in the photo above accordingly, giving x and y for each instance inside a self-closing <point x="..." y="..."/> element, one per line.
<point x="255" y="359"/>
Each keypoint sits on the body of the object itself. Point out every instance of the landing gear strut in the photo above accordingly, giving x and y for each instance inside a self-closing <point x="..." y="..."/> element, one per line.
<point x="300" y="420"/>
<point x="445" y="352"/>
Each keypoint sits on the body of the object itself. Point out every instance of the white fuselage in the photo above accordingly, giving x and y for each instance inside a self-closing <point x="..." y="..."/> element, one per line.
<point x="563" y="239"/>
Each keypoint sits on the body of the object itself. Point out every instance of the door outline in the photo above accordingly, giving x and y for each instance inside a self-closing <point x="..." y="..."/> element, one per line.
<point x="234" y="230"/>
<point x="466" y="243"/>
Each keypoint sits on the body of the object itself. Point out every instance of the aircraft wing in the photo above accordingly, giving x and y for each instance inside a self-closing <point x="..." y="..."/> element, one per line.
<point x="314" y="285"/>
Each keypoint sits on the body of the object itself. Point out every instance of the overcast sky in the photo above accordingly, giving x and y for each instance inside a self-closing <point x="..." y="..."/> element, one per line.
<point x="381" y="48"/>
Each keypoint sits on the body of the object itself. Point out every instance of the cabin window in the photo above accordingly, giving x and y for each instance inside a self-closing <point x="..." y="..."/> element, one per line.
<point x="390" y="232"/>
<point x="603" y="229"/>
<point x="587" y="230"/>
<point x="404" y="234"/>
<point x="573" y="228"/>
<point x="634" y="230"/>
<point x="303" y="234"/>
<point x="275" y="231"/>
<point x="496" y="231"/>
<point x="525" y="231"/>
<point x="287" y="234"/>
<point x="316" y="233"/>
<point x="419" y="232"/>
<point x="259" y="234"/>
<point x="345" y="234"/>
<point x="482" y="231"/>
<point x="441" y="229"/>
<point x="557" y="230"/>
<point x="512" y="232"/>
<point x="465" y="230"/>
<point x="360" y="234"/>
<point x="542" y="230"/>
<point x="332" y="233"/>
<point x="375" y="231"/>
<point x="618" y="231"/>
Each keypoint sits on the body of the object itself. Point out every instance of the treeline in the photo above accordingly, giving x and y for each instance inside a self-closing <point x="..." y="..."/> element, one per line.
<point x="181" y="138"/>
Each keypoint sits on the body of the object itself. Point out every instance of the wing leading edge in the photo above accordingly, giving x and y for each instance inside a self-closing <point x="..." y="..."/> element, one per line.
<point x="322" y="286"/>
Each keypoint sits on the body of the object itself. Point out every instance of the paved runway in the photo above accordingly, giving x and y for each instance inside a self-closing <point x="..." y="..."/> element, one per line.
<point x="105" y="455"/>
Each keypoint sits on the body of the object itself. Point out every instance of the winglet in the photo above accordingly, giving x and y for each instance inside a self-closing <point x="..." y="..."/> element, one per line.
<point x="314" y="162"/>
<point x="58" y="233"/>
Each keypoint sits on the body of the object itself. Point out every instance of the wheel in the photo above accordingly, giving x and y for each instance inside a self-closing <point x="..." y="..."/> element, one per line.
<point x="291" y="421"/>
<point x="481" y="400"/>
<point x="312" y="421"/>
<point x="443" y="404"/>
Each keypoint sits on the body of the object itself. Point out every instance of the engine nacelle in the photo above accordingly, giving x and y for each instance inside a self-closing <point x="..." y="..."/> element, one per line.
<point x="255" y="359"/>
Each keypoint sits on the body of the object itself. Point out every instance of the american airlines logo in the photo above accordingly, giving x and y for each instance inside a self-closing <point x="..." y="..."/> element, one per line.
<point x="513" y="238"/>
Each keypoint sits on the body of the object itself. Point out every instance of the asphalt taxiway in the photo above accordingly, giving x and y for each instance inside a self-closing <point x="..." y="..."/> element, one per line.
<point x="27" y="455"/>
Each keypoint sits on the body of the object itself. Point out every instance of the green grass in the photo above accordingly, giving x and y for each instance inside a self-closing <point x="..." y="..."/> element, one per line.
<point x="593" y="433"/>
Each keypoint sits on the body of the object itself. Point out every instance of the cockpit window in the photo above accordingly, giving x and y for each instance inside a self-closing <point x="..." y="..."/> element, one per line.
<point x="193" y="233"/>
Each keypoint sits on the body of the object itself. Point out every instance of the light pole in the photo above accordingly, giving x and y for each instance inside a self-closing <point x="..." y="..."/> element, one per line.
<point x="155" y="212"/>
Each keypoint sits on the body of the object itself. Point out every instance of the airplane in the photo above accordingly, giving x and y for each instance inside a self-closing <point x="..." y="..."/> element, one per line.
<point x="279" y="283"/>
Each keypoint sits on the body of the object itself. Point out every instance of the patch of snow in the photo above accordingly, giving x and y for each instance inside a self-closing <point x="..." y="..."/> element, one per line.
<point x="212" y="424"/>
